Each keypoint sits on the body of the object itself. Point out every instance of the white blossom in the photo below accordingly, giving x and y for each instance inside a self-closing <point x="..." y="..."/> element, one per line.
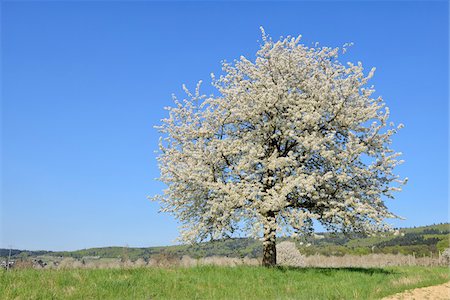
<point x="289" y="255"/>
<point x="289" y="137"/>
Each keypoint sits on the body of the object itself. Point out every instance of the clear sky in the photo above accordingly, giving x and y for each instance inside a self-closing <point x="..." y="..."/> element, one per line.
<point x="83" y="84"/>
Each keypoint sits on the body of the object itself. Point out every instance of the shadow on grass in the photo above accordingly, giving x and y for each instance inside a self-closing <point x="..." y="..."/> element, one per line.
<point x="330" y="271"/>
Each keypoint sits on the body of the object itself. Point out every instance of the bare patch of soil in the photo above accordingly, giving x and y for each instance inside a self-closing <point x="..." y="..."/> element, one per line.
<point x="437" y="292"/>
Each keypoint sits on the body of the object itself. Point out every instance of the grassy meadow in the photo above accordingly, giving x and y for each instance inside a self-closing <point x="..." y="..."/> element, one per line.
<point x="214" y="282"/>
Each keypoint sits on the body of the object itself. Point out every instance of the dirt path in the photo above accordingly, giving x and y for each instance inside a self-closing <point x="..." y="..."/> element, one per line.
<point x="437" y="292"/>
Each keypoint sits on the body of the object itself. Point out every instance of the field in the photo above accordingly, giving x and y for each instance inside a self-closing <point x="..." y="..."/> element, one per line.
<point x="214" y="282"/>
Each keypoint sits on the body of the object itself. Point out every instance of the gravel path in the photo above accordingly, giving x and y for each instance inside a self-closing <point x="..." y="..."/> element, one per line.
<point x="437" y="292"/>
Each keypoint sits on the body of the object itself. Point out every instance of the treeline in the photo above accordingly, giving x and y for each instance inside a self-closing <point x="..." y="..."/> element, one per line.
<point x="241" y="247"/>
<point x="420" y="241"/>
<point x="24" y="253"/>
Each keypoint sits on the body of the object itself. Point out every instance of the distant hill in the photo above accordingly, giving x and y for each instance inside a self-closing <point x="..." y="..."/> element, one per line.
<point x="422" y="241"/>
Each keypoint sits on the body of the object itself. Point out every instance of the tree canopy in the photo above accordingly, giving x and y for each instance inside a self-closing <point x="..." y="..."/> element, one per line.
<point x="289" y="137"/>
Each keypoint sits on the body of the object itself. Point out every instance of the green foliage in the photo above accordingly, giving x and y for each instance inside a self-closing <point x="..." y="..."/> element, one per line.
<point x="409" y="239"/>
<point x="443" y="244"/>
<point x="442" y="228"/>
<point x="210" y="282"/>
<point x="421" y="241"/>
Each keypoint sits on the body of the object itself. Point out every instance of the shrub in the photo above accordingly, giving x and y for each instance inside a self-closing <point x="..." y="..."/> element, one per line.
<point x="288" y="255"/>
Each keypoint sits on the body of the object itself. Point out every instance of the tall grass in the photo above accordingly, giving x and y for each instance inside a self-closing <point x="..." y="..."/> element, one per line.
<point x="286" y="256"/>
<point x="215" y="282"/>
<point x="373" y="261"/>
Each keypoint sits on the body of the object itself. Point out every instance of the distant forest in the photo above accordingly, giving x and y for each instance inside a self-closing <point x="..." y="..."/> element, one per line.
<point x="420" y="241"/>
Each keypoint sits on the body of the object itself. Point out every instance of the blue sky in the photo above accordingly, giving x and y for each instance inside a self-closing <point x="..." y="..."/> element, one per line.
<point x="83" y="84"/>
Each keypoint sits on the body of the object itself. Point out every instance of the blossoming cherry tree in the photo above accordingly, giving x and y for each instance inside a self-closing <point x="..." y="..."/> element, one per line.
<point x="289" y="137"/>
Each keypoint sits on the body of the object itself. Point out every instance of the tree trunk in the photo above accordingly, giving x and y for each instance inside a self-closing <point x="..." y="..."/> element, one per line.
<point x="269" y="243"/>
<point x="269" y="254"/>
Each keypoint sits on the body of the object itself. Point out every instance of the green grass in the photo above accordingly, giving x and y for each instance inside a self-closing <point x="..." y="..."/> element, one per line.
<point x="212" y="282"/>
